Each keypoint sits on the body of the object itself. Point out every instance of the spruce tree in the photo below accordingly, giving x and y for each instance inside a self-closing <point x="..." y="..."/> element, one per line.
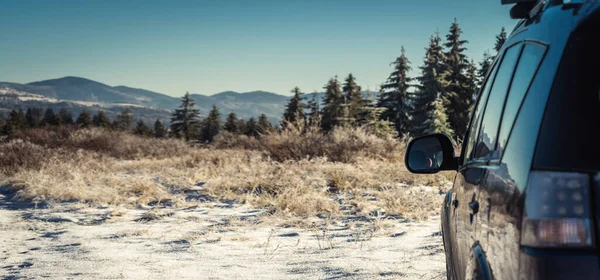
<point x="459" y="91"/>
<point x="84" y="120"/>
<point x="15" y="122"/>
<point x="333" y="108"/>
<point x="473" y="87"/>
<point x="394" y="95"/>
<point x="241" y="124"/>
<point x="437" y="121"/>
<point x="430" y="89"/>
<point x="264" y="125"/>
<point x="141" y="129"/>
<point x="124" y="120"/>
<point x="65" y="117"/>
<point x="251" y="128"/>
<point x="232" y="124"/>
<point x="346" y="120"/>
<point x="49" y="118"/>
<point x="313" y="115"/>
<point x="500" y="40"/>
<point x="34" y="117"/>
<point x="211" y="126"/>
<point x="2" y="122"/>
<point x="374" y="123"/>
<point x="294" y="110"/>
<point x="354" y="99"/>
<point x="484" y="67"/>
<point x="101" y="120"/>
<point x="159" y="130"/>
<point x="184" y="122"/>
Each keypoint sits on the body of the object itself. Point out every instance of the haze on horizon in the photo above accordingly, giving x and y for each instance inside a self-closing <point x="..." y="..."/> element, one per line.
<point x="211" y="46"/>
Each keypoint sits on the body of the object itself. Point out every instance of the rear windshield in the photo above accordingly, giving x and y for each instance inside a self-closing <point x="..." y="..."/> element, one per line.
<point x="570" y="134"/>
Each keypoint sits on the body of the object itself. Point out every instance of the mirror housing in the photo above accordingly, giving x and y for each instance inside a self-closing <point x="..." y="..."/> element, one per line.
<point x="438" y="143"/>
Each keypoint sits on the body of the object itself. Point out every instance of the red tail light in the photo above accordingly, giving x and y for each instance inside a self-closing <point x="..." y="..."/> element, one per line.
<point x="558" y="211"/>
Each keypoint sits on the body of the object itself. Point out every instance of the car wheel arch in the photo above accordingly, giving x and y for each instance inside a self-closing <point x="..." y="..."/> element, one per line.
<point x="478" y="266"/>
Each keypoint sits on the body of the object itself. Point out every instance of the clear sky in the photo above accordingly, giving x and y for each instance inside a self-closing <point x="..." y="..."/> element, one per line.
<point x="209" y="46"/>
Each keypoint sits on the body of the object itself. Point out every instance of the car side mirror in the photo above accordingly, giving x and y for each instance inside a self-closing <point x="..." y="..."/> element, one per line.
<point x="430" y="154"/>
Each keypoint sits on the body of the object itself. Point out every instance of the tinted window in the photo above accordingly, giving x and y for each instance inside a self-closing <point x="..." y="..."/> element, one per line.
<point x="570" y="135"/>
<point x="528" y="65"/>
<point x="478" y="113"/>
<point x="486" y="141"/>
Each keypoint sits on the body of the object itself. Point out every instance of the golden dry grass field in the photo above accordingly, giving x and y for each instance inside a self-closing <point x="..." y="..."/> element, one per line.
<point x="337" y="193"/>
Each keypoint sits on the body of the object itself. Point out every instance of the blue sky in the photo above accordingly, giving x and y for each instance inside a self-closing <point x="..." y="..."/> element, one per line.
<point x="206" y="46"/>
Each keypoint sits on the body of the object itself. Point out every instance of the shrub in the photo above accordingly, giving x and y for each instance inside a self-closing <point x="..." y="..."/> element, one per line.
<point x="112" y="143"/>
<point x="228" y="140"/>
<point x="17" y="154"/>
<point x="340" y="145"/>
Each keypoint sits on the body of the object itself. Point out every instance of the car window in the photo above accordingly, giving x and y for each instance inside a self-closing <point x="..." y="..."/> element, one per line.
<point x="478" y="113"/>
<point x="528" y="64"/>
<point x="569" y="138"/>
<point x="486" y="141"/>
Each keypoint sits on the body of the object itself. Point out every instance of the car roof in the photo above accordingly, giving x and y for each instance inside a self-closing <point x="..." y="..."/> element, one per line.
<point x="564" y="18"/>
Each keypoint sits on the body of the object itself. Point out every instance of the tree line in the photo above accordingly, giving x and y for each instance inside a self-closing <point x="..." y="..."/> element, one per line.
<point x="185" y="123"/>
<point x="18" y="119"/>
<point x="439" y="100"/>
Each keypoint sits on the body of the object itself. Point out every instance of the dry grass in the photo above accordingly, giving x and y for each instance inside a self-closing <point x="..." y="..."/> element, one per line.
<point x="104" y="167"/>
<point x="112" y="143"/>
<point x="299" y="143"/>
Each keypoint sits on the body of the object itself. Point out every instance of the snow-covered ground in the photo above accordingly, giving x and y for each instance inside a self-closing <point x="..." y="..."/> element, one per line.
<point x="210" y="240"/>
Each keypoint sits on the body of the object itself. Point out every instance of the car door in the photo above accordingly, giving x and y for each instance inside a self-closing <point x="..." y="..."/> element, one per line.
<point x="475" y="158"/>
<point x="498" y="194"/>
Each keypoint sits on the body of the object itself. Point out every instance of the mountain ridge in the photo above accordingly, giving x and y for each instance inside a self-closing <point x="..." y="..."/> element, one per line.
<point x="73" y="88"/>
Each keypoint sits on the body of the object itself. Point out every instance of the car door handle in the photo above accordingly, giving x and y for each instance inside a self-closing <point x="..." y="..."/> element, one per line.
<point x="474" y="205"/>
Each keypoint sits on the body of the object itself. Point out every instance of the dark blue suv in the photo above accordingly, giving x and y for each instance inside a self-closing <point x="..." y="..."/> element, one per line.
<point x="526" y="197"/>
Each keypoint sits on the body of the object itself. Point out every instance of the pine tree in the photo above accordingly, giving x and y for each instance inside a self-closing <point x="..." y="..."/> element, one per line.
<point x="2" y="122"/>
<point x="394" y="95"/>
<point x="346" y="120"/>
<point x="354" y="100"/>
<point x="101" y="120"/>
<point x="184" y="122"/>
<point x="294" y="110"/>
<point x="437" y="121"/>
<point x="124" y="120"/>
<point x="264" y="125"/>
<point x="84" y="120"/>
<point x="141" y="129"/>
<point x="49" y="118"/>
<point x="431" y="88"/>
<point x="374" y="123"/>
<point x="484" y="67"/>
<point x="500" y="40"/>
<point x="64" y="117"/>
<point x="251" y="128"/>
<point x="367" y="109"/>
<point x="159" y="130"/>
<point x="232" y="124"/>
<point x="15" y="122"/>
<point x="472" y="75"/>
<point x="313" y="115"/>
<point x="34" y="117"/>
<point x="241" y="124"/>
<point x="211" y="126"/>
<point x="459" y="90"/>
<point x="333" y="108"/>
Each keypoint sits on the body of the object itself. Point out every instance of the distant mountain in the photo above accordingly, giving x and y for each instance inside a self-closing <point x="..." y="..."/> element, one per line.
<point x="85" y="92"/>
<point x="15" y="99"/>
